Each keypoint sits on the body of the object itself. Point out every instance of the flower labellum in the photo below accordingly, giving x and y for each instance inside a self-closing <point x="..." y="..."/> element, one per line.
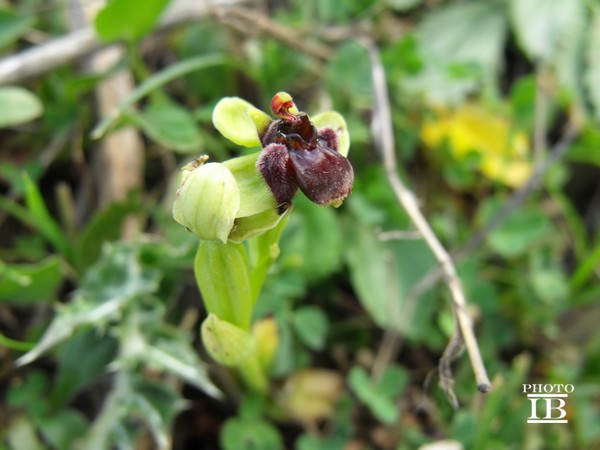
<point x="298" y="156"/>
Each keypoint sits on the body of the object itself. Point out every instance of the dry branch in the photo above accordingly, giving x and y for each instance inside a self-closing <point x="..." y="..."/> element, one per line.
<point x="383" y="132"/>
<point x="77" y="44"/>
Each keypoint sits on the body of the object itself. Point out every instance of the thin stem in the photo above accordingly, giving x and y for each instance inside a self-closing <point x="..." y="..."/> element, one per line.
<point x="382" y="120"/>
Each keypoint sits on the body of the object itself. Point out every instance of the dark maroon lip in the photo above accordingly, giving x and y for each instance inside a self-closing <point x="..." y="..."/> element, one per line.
<point x="298" y="156"/>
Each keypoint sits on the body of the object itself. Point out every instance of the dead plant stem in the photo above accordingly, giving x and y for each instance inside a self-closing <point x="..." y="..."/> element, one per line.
<point x="382" y="121"/>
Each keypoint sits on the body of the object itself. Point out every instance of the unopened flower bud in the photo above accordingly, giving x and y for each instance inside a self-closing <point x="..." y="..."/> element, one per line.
<point x="226" y="343"/>
<point x="266" y="335"/>
<point x="207" y="200"/>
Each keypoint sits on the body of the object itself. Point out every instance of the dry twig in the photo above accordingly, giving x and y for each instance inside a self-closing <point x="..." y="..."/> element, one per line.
<point x="249" y="20"/>
<point x="77" y="44"/>
<point x="382" y="121"/>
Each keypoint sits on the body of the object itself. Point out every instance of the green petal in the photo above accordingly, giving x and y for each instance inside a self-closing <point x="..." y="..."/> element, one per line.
<point x="335" y="121"/>
<point x="239" y="121"/>
<point x="247" y="227"/>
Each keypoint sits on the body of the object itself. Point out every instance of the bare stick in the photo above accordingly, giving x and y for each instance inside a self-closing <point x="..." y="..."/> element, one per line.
<point x="382" y="121"/>
<point x="57" y="52"/>
<point x="253" y="21"/>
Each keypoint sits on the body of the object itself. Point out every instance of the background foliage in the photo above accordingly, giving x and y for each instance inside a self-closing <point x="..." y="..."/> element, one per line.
<point x="493" y="101"/>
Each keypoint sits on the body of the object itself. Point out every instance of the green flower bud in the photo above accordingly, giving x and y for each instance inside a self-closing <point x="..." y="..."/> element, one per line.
<point x="234" y="347"/>
<point x="225" y="343"/>
<point x="207" y="200"/>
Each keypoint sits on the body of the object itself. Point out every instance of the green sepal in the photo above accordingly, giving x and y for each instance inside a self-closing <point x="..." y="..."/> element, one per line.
<point x="247" y="227"/>
<point x="255" y="196"/>
<point x="335" y="121"/>
<point x="239" y="121"/>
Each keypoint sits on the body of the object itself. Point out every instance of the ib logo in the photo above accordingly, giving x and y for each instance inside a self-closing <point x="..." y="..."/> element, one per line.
<point x="548" y="402"/>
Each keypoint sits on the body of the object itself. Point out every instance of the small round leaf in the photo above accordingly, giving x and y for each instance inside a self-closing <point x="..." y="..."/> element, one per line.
<point x="18" y="106"/>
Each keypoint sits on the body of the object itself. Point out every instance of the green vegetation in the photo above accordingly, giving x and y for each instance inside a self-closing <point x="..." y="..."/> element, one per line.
<point x="315" y="327"/>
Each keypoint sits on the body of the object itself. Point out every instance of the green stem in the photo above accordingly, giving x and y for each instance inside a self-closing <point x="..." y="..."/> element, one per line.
<point x="253" y="374"/>
<point x="16" y="345"/>
<point x="263" y="250"/>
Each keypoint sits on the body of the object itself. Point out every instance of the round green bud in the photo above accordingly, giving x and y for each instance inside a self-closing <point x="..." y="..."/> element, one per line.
<point x="207" y="200"/>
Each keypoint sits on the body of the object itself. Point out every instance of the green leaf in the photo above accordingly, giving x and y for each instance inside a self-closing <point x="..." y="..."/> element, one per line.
<point x="18" y="106"/>
<point x="473" y="32"/>
<point x="151" y="84"/>
<point x="152" y="402"/>
<point x="63" y="427"/>
<point x="105" y="226"/>
<point x="38" y="216"/>
<point x="171" y="126"/>
<point x="311" y="326"/>
<point x="349" y="71"/>
<point x="222" y="275"/>
<point x="381" y="405"/>
<point x="78" y="367"/>
<point x="23" y="393"/>
<point x="586" y="149"/>
<point x="171" y="351"/>
<point x="250" y="434"/>
<point x="550" y="284"/>
<point x="22" y="435"/>
<point x="393" y="381"/>
<point x="522" y="229"/>
<point x="403" y="5"/>
<point x="541" y="25"/>
<point x="382" y="273"/>
<point x="12" y="26"/>
<point x="125" y="19"/>
<point x="314" y="241"/>
<point x="112" y="283"/>
<point x="157" y="404"/>
<point x="30" y="283"/>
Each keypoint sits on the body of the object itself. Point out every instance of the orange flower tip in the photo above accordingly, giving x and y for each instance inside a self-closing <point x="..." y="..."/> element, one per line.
<point x="283" y="106"/>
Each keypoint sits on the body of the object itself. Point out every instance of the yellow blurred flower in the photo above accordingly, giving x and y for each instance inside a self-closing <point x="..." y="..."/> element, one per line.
<point x="310" y="395"/>
<point x="503" y="149"/>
